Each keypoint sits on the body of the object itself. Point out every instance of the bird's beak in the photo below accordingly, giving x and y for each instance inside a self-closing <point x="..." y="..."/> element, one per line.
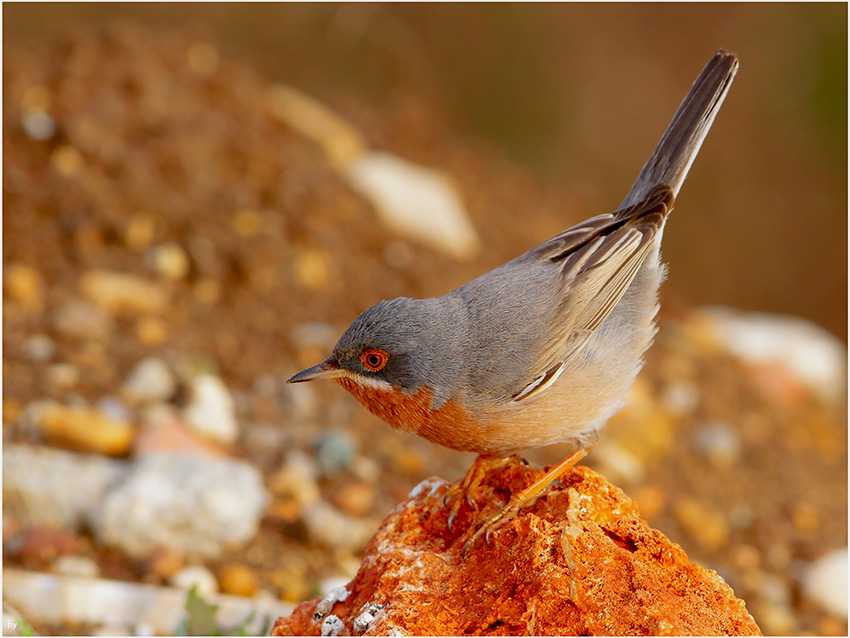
<point x="325" y="370"/>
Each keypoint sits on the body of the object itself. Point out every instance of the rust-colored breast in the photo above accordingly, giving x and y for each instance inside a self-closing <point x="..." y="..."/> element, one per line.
<point x="451" y="426"/>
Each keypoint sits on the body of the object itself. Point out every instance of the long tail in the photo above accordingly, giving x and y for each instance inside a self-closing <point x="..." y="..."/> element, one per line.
<point x="672" y="158"/>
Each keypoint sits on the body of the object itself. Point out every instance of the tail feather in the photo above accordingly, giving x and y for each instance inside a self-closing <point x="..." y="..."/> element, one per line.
<point x="672" y="158"/>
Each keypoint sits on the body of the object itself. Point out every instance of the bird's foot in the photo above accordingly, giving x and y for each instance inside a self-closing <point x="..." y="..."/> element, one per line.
<point x="521" y="500"/>
<point x="465" y="490"/>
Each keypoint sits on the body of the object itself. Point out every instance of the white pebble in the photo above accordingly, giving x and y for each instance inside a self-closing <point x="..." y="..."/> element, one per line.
<point x="150" y="380"/>
<point x="80" y="566"/>
<point x="196" y="576"/>
<point x="825" y="582"/>
<point x="210" y="411"/>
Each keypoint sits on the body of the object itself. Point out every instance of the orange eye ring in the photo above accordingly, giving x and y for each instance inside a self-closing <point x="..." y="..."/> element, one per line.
<point x="374" y="359"/>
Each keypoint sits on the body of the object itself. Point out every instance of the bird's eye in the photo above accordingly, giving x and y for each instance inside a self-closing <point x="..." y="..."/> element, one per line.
<point x="374" y="359"/>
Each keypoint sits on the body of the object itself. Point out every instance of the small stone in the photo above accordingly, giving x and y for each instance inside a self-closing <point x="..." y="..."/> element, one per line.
<point x="618" y="463"/>
<point x="775" y="619"/>
<point x="331" y="528"/>
<point x="39" y="348"/>
<point x="79" y="566"/>
<point x="165" y="432"/>
<point x="706" y="526"/>
<point x="313" y="270"/>
<point x="139" y="233"/>
<point x="115" y="629"/>
<point x="24" y="286"/>
<point x="295" y="488"/>
<point x="291" y="580"/>
<point x="332" y="626"/>
<point x="114" y="408"/>
<point x="366" y="618"/>
<point x="719" y="442"/>
<point x="62" y="376"/>
<point x="335" y="595"/>
<point x="38" y="491"/>
<point x="151" y="331"/>
<point x="170" y="261"/>
<point x="196" y="505"/>
<point x="417" y="202"/>
<point x="680" y="397"/>
<point x="67" y="160"/>
<point x="334" y="452"/>
<point x="198" y="577"/>
<point x="38" y="125"/>
<point x="366" y="469"/>
<point x="211" y="410"/>
<point x="356" y="499"/>
<point x="825" y="582"/>
<point x="81" y="320"/>
<point x="238" y="579"/>
<point x="164" y="562"/>
<point x="87" y="430"/>
<point x="118" y="292"/>
<point x="151" y="380"/>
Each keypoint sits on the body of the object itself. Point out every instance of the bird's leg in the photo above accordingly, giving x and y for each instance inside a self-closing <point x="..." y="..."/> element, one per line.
<point x="476" y="473"/>
<point x="523" y="499"/>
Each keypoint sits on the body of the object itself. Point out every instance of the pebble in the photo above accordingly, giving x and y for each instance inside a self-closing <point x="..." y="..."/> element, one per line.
<point x="313" y="269"/>
<point x="295" y="487"/>
<point x="80" y="566"/>
<point x="24" y="286"/>
<point x="139" y="233"/>
<point x="114" y="408"/>
<point x="169" y="433"/>
<point x="118" y="292"/>
<point x="82" y="320"/>
<point x="331" y="528"/>
<point x="816" y="358"/>
<point x="618" y="464"/>
<point x="151" y="331"/>
<point x="332" y="626"/>
<point x="355" y="498"/>
<point x="164" y="562"/>
<point x="45" y="544"/>
<point x="38" y="125"/>
<point x="198" y="577"/>
<point x="707" y="527"/>
<point x="115" y="629"/>
<point x="680" y="397"/>
<point x="335" y="452"/>
<point x="62" y="376"/>
<point x="302" y="402"/>
<point x="67" y="160"/>
<point x="151" y="380"/>
<point x="418" y="203"/>
<point x="825" y="582"/>
<point x="39" y="348"/>
<point x="37" y="489"/>
<point x="87" y="430"/>
<point x="211" y="410"/>
<point x="169" y="260"/>
<point x="195" y="505"/>
<point x="238" y="579"/>
<point x="719" y="442"/>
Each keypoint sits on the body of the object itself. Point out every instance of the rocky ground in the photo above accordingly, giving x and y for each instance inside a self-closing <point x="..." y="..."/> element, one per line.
<point x="174" y="249"/>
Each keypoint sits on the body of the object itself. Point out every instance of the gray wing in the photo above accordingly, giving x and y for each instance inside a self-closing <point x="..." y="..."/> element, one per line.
<point x="598" y="259"/>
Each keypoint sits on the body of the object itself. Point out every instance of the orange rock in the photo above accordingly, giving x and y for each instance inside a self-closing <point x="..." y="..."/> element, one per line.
<point x="581" y="561"/>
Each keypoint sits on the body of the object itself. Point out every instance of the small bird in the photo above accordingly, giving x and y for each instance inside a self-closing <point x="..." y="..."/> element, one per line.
<point x="542" y="349"/>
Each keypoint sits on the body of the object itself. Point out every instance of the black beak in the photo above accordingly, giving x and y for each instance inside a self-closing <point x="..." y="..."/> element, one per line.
<point x="325" y="370"/>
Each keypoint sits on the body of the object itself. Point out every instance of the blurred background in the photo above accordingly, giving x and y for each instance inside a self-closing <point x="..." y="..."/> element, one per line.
<point x="578" y="96"/>
<point x="184" y="228"/>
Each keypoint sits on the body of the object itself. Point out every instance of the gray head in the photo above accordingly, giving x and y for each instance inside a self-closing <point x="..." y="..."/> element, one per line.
<point x="402" y="343"/>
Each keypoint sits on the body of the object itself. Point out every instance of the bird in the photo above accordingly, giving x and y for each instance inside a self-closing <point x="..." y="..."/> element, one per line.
<point x="542" y="349"/>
